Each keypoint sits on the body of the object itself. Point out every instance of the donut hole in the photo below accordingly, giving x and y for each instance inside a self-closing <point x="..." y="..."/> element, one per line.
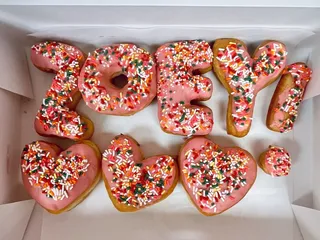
<point x="119" y="81"/>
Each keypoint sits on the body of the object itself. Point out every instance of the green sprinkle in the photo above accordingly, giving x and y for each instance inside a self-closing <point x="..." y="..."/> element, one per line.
<point x="195" y="166"/>
<point x="160" y="183"/>
<point x="182" y="117"/>
<point x="236" y="98"/>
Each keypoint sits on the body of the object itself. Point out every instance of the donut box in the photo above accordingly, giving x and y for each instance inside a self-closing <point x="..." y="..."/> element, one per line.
<point x="274" y="208"/>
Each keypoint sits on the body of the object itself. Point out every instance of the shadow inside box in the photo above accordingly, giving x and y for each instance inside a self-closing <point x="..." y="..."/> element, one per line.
<point x="151" y="148"/>
<point x="175" y="226"/>
<point x="222" y="141"/>
<point x="305" y="201"/>
<point x="103" y="140"/>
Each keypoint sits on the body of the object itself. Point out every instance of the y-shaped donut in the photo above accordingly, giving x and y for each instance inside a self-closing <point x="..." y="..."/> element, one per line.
<point x="244" y="77"/>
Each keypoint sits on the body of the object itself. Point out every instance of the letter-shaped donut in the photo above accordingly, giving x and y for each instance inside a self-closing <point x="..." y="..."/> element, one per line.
<point x="178" y="86"/>
<point x="108" y="62"/>
<point x="55" y="117"/>
<point x="244" y="77"/>
<point x="284" y="106"/>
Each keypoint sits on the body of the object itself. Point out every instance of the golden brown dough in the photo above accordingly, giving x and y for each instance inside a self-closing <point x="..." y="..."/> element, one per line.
<point x="243" y="77"/>
<point x="284" y="105"/>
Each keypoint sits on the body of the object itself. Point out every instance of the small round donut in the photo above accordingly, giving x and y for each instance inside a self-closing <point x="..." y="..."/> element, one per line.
<point x="56" y="116"/>
<point x="133" y="182"/>
<point x="178" y="85"/>
<point x="275" y="161"/>
<point x="107" y="62"/>
<point x="285" y="103"/>
<point x="215" y="178"/>
<point x="59" y="180"/>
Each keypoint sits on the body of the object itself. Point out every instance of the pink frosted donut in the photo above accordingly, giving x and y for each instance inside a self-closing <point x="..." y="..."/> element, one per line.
<point x="244" y="77"/>
<point x="215" y="178"/>
<point x="178" y="86"/>
<point x="120" y="59"/>
<point x="56" y="116"/>
<point x="275" y="161"/>
<point x="285" y="103"/>
<point x="57" y="180"/>
<point x="133" y="182"/>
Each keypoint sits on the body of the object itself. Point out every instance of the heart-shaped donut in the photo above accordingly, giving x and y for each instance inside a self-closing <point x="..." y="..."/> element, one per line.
<point x="215" y="178"/>
<point x="57" y="180"/>
<point x="244" y="77"/>
<point x="133" y="183"/>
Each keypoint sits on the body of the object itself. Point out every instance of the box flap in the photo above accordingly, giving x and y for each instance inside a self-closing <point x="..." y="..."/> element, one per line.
<point x="312" y="46"/>
<point x="316" y="151"/>
<point x="14" y="218"/>
<point x="230" y="3"/>
<point x="33" y="231"/>
<point x="13" y="64"/>
<point x="308" y="220"/>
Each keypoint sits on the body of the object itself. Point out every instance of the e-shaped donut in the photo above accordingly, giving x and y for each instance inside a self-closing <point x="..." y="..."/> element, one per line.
<point x="244" y="77"/>
<point x="133" y="182"/>
<point x="107" y="62"/>
<point x="177" y="86"/>
<point x="284" y="106"/>
<point x="56" y="116"/>
<point x="215" y="178"/>
<point x="59" y="180"/>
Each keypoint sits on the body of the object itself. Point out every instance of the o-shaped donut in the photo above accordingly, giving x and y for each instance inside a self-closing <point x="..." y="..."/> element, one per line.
<point x="178" y="86"/>
<point x="109" y="61"/>
<point x="55" y="117"/>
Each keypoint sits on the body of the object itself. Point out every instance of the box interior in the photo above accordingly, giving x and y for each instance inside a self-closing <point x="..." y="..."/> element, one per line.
<point x="286" y="206"/>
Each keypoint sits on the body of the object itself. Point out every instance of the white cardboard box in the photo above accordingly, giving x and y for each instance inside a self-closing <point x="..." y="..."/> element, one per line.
<point x="283" y="208"/>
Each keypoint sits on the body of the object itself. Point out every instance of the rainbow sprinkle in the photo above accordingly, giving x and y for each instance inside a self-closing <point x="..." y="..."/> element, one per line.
<point x="54" y="112"/>
<point x="213" y="174"/>
<point x="55" y="176"/>
<point x="243" y="74"/>
<point x="136" y="63"/>
<point x="176" y="61"/>
<point x="134" y="183"/>
<point x="278" y="160"/>
<point x="301" y="75"/>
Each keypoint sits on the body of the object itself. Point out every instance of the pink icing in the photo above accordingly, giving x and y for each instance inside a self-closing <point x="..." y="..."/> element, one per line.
<point x="215" y="178"/>
<point x="134" y="182"/>
<point x="178" y="86"/>
<point x="289" y="100"/>
<point x="106" y="62"/>
<point x="246" y="76"/>
<point x="55" y="116"/>
<point x="277" y="161"/>
<point x="83" y="183"/>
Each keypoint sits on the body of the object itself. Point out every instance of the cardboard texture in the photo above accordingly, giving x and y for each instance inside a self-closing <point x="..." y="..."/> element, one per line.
<point x="13" y="64"/>
<point x="286" y="206"/>
<point x="14" y="219"/>
<point x="272" y="3"/>
<point x="33" y="231"/>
